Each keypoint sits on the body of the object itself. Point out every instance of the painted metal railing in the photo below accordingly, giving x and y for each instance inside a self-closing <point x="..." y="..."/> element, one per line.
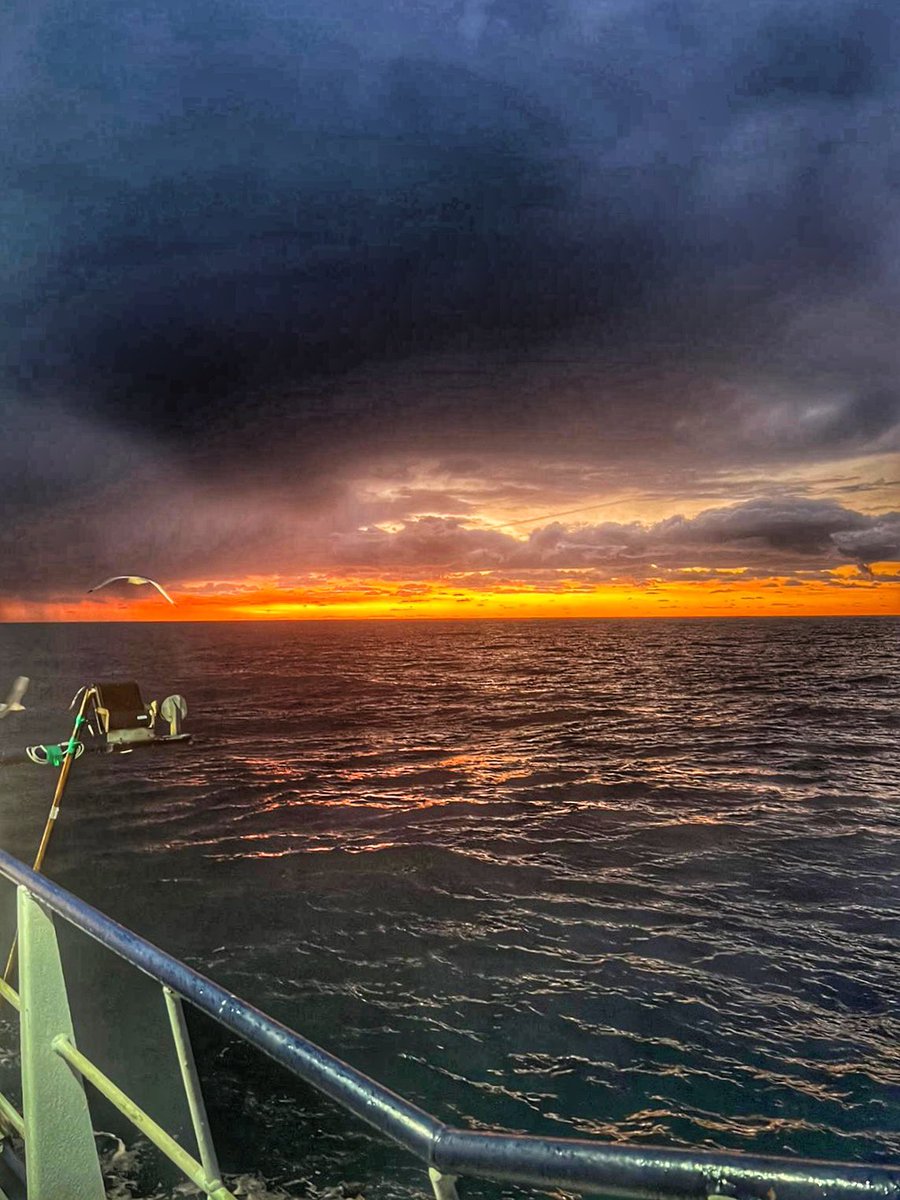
<point x="62" y="1162"/>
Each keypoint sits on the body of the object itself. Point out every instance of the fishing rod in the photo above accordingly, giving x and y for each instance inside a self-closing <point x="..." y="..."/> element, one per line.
<point x="68" y="758"/>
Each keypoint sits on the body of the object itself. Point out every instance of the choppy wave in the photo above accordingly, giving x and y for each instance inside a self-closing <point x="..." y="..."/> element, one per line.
<point x="635" y="880"/>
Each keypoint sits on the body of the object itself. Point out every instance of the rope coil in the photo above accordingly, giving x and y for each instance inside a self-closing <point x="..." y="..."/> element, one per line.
<point x="53" y="755"/>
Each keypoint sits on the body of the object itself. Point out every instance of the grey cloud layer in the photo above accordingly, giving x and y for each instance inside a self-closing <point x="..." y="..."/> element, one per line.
<point x="226" y="200"/>
<point x="763" y="535"/>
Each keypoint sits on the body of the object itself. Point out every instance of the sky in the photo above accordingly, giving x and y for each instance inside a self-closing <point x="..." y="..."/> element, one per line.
<point x="450" y="308"/>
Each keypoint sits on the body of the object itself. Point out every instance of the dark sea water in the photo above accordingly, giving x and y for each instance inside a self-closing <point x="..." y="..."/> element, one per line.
<point x="630" y="879"/>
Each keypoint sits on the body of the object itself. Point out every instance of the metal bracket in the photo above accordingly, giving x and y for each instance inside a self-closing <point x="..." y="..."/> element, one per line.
<point x="444" y="1185"/>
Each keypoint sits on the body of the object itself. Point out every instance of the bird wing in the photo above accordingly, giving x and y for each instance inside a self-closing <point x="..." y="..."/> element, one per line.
<point x="160" y="589"/>
<point x="16" y="692"/>
<point x="112" y="579"/>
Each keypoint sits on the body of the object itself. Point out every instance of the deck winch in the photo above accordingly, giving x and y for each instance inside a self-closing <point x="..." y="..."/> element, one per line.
<point x="117" y="720"/>
<point x="125" y="721"/>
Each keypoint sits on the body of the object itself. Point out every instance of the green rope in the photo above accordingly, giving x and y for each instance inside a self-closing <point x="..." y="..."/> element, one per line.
<point x="55" y="755"/>
<point x="73" y="741"/>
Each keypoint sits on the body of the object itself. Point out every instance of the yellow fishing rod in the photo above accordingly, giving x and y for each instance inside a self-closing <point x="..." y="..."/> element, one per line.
<point x="68" y="758"/>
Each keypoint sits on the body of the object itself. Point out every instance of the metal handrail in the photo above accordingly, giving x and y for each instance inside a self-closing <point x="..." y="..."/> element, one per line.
<point x="641" y="1172"/>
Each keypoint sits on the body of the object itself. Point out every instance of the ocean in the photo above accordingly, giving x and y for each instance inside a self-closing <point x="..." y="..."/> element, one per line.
<point x="635" y="880"/>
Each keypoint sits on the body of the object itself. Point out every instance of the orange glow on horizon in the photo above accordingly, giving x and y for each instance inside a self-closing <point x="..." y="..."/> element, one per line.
<point x="842" y="593"/>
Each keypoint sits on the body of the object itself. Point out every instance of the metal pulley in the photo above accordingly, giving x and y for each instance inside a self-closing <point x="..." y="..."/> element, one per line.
<point x="174" y="709"/>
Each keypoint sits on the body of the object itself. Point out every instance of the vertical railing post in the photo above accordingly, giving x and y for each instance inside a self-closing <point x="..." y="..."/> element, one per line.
<point x="60" y="1153"/>
<point x="444" y="1185"/>
<point x="191" y="1082"/>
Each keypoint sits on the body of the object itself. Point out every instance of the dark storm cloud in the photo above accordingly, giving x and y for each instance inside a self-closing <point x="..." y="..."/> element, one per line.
<point x="876" y="541"/>
<point x="214" y="211"/>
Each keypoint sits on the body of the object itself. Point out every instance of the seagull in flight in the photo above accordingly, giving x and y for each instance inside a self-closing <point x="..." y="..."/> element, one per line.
<point x="136" y="579"/>
<point x="13" y="702"/>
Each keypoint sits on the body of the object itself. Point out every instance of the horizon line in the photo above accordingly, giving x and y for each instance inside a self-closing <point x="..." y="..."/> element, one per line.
<point x="473" y="620"/>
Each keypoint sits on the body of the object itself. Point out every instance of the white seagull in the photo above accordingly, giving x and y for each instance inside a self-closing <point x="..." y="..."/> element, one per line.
<point x="137" y="579"/>
<point x="13" y="700"/>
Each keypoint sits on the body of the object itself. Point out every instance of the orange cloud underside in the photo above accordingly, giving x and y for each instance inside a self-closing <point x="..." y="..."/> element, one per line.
<point x="841" y="593"/>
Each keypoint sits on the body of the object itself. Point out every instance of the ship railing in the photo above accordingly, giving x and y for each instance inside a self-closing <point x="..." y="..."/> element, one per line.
<point x="60" y="1148"/>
